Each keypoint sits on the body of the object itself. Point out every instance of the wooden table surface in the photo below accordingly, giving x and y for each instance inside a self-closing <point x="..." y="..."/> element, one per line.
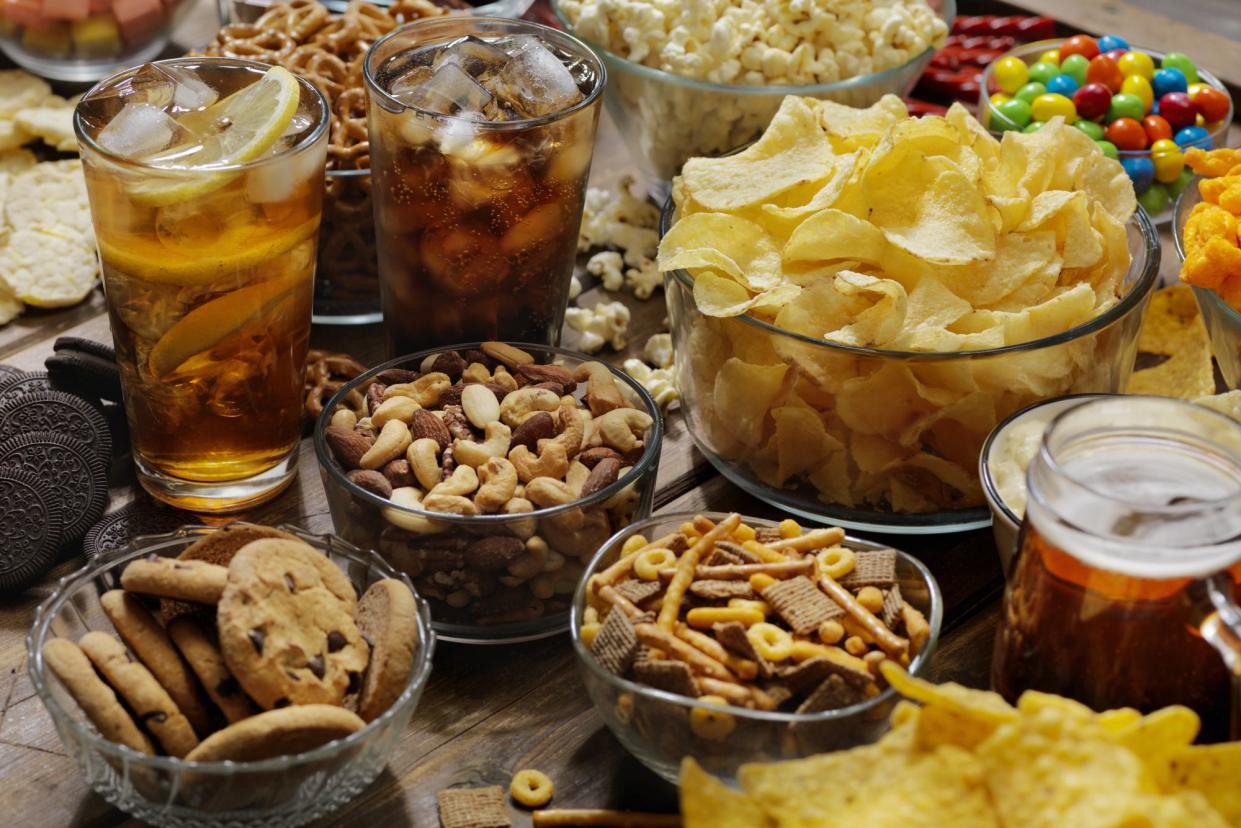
<point x="487" y="711"/>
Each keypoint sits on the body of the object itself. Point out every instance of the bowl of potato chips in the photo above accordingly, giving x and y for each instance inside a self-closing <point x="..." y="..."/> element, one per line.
<point x="858" y="298"/>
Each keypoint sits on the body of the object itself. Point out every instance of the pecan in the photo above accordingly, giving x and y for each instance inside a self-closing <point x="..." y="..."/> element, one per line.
<point x="475" y="355"/>
<point x="591" y="456"/>
<point x="440" y="560"/>
<point x="448" y="461"/>
<point x="371" y="481"/>
<point x="493" y="552"/>
<point x="347" y="445"/>
<point x="425" y="424"/>
<point x="450" y="363"/>
<point x="374" y="397"/>
<point x="458" y="426"/>
<point x="604" y="474"/>
<point x="536" y="427"/>
<point x="549" y="373"/>
<point x="398" y="474"/>
<point x="394" y="376"/>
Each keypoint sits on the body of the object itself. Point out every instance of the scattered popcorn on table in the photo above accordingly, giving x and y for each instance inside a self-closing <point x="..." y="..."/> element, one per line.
<point x="658" y="381"/>
<point x="575" y="287"/>
<point x="658" y="350"/>
<point x="644" y="278"/>
<point x="607" y="264"/>
<point x="605" y="324"/>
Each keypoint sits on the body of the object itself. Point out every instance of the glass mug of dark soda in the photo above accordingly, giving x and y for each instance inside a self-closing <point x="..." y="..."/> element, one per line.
<point x="1125" y="589"/>
<point x="481" y="137"/>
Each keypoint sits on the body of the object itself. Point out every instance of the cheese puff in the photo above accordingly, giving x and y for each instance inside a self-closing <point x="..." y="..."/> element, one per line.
<point x="1230" y="198"/>
<point x="1212" y="163"/>
<point x="1211" y="188"/>
<point x="1207" y="221"/>
<point x="1216" y="260"/>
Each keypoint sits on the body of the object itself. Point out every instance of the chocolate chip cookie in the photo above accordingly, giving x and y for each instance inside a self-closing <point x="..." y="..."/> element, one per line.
<point x="278" y="733"/>
<point x="287" y="630"/>
<point x="97" y="700"/>
<point x="388" y="620"/>
<point x="202" y="652"/>
<point x="196" y="581"/>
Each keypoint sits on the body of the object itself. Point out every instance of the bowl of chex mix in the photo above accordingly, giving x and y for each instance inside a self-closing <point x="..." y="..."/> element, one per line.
<point x="734" y="639"/>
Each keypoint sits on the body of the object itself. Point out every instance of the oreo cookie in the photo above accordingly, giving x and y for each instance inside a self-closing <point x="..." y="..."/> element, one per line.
<point x="71" y="467"/>
<point x="138" y="518"/>
<point x="60" y="413"/>
<point x="84" y="346"/>
<point x="23" y="383"/>
<point x="8" y="372"/>
<point x="31" y="526"/>
<point x="83" y="373"/>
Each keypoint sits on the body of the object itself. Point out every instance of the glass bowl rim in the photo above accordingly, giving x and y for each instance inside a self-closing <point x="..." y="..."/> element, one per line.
<point x="935" y="617"/>
<point x="947" y="13"/>
<point x="1142" y="288"/>
<point x="645" y="464"/>
<point x="384" y="99"/>
<point x="305" y="144"/>
<point x="1022" y="49"/>
<point x="40" y="632"/>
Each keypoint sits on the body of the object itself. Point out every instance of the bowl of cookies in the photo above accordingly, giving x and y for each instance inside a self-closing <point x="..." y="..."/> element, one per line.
<point x="490" y="474"/>
<point x="736" y="640"/>
<point x="240" y="676"/>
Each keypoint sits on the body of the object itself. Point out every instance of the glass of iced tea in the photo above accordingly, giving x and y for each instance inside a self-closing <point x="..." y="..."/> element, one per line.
<point x="1125" y="588"/>
<point x="205" y="178"/>
<point x="481" y="134"/>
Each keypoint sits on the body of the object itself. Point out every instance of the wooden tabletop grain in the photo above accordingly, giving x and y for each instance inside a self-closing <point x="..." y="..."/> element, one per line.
<point x="487" y="711"/>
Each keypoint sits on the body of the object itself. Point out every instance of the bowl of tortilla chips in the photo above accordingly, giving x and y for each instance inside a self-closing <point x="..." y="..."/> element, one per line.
<point x="858" y="298"/>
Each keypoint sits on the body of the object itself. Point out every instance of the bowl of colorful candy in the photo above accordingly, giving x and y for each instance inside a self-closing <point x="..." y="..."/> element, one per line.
<point x="1143" y="107"/>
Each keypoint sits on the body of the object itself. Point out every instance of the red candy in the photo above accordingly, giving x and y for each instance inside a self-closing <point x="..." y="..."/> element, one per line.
<point x="1177" y="109"/>
<point x="1083" y="45"/>
<point x="1092" y="101"/>
<point x="1157" y="128"/>
<point x="1115" y="54"/>
<point x="1211" y="103"/>
<point x="1126" y="134"/>
<point x="1104" y="70"/>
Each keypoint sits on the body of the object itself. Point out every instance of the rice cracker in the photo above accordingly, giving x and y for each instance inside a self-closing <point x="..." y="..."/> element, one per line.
<point x="48" y="268"/>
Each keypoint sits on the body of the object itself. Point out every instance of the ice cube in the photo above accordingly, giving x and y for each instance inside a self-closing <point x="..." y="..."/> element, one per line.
<point x="472" y="54"/>
<point x="450" y="91"/>
<point x="191" y="91"/>
<point x="139" y="129"/>
<point x="534" y="82"/>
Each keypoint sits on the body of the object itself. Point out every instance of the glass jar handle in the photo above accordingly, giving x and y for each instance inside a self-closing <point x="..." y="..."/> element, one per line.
<point x="1222" y="630"/>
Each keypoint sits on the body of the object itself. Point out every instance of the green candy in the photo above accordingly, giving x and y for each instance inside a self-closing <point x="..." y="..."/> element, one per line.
<point x="1125" y="105"/>
<point x="1030" y="91"/>
<point x="1074" y="66"/>
<point x="1156" y="199"/>
<point x="1180" y="183"/>
<point x="1090" y="128"/>
<point x="1042" y="72"/>
<point x="1034" y="126"/>
<point x="1015" y="110"/>
<point x="1179" y="60"/>
<point x="1109" y="149"/>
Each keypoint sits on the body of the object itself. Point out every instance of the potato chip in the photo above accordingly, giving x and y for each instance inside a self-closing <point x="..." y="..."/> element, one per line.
<point x="860" y="127"/>
<point x="986" y="707"/>
<point x="1213" y="771"/>
<point x="708" y="803"/>
<point x="1228" y="403"/>
<point x="832" y="234"/>
<point x="1158" y="737"/>
<point x="746" y="392"/>
<point x="1175" y="340"/>
<point x="879" y="323"/>
<point x="787" y="217"/>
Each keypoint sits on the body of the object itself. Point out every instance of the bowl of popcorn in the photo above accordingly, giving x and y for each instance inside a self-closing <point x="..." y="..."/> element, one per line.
<point x="83" y="41"/>
<point x="703" y="79"/>
<point x="244" y="675"/>
<point x="490" y="474"/>
<point x="770" y="638"/>
<point x="860" y="297"/>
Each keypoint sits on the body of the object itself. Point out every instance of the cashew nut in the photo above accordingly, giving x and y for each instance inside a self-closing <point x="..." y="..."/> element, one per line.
<point x="576" y="476"/>
<point x="572" y="429"/>
<point x="523" y="402"/>
<point x="344" y="418"/>
<point x="464" y="481"/>
<point x="542" y="586"/>
<point x="410" y="498"/>
<point x="580" y="541"/>
<point x="425" y="390"/>
<point x="622" y="429"/>
<point x="551" y="461"/>
<point x="626" y="500"/>
<point x="497" y="438"/>
<point x="522" y="528"/>
<point x="391" y="443"/>
<point x="423" y="460"/>
<point x="451" y="504"/>
<point x="395" y="408"/>
<point x="497" y="481"/>
<point x="530" y="562"/>
<point x="546" y="493"/>
<point x="602" y="393"/>
<point x="504" y="379"/>
<point x="475" y="372"/>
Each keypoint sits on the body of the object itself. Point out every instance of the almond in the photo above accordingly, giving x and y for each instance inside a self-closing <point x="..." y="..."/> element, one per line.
<point x="347" y="445"/>
<point x="549" y="373"/>
<point x="480" y="405"/>
<point x="604" y="474"/>
<point x="394" y="376"/>
<point x="494" y="552"/>
<point x="371" y="481"/>
<point x="425" y="424"/>
<point x="591" y="456"/>
<point x="538" y="426"/>
<point x="449" y="362"/>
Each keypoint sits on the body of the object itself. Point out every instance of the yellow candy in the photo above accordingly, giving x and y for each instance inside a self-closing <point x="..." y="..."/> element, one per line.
<point x="710" y="724"/>
<point x="1137" y="63"/>
<point x="1140" y="88"/>
<point x="1168" y="166"/>
<point x="998" y="98"/>
<point x="1051" y="56"/>
<point x="1011" y="73"/>
<point x="1046" y="107"/>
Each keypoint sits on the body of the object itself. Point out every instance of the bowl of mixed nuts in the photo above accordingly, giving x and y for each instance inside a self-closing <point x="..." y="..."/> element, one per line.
<point x="490" y="474"/>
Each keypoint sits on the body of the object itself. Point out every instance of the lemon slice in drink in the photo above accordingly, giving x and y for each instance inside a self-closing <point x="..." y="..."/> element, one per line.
<point x="235" y="130"/>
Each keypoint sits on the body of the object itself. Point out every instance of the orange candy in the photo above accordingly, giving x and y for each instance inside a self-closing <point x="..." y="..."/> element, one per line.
<point x="1083" y="45"/>
<point x="1103" y="69"/>
<point x="1211" y="103"/>
<point x="1126" y="134"/>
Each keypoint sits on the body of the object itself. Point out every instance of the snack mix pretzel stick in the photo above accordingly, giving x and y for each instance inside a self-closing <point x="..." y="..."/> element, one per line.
<point x="594" y="818"/>
<point x="685" y="570"/>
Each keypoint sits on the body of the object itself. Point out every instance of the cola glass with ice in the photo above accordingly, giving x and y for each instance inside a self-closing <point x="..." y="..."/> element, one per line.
<point x="205" y="178"/>
<point x="481" y="135"/>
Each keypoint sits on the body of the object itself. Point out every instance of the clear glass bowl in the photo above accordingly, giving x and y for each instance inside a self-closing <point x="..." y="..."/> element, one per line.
<point x="347" y="272"/>
<point x="91" y="46"/>
<point x="1096" y="357"/>
<point x="285" y="791"/>
<point x="428" y="546"/>
<point x="665" y="119"/>
<point x="1029" y="52"/>
<point x="244" y="11"/>
<point x="1222" y="320"/>
<point x="654" y="725"/>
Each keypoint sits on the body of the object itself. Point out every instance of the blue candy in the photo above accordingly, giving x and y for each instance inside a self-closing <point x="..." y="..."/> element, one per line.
<point x="1169" y="80"/>
<point x="1141" y="172"/>
<point x="1064" y="85"/>
<point x="1192" y="136"/>
<point x="1109" y="42"/>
